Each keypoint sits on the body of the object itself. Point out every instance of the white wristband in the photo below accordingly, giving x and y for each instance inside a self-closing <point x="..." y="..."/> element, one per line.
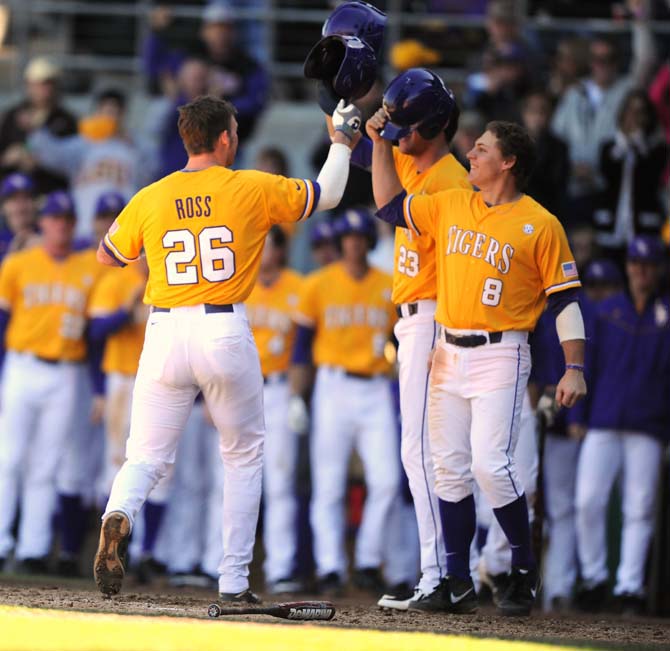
<point x="569" y="323"/>
<point x="333" y="176"/>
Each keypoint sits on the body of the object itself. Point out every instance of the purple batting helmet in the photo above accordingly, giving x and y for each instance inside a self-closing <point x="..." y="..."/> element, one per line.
<point x="357" y="220"/>
<point x="346" y="56"/>
<point x="417" y="99"/>
<point x="58" y="203"/>
<point x="646" y="248"/>
<point x="15" y="183"/>
<point x="109" y="203"/>
<point x="602" y="272"/>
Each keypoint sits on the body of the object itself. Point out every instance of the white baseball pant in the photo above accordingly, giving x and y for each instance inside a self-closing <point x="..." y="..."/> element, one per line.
<point x="186" y="350"/>
<point x="605" y="455"/>
<point x="191" y="535"/>
<point x="561" y="456"/>
<point x="348" y="412"/>
<point x="38" y="410"/>
<point x="474" y="414"/>
<point x="280" y="533"/>
<point x="416" y="338"/>
<point x="496" y="553"/>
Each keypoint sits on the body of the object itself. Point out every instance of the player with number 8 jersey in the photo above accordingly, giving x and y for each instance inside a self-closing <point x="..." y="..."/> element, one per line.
<point x="202" y="230"/>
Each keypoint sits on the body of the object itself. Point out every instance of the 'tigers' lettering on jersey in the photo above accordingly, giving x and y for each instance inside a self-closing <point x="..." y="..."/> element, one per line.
<point x="190" y="207"/>
<point x="53" y="294"/>
<point x="473" y="243"/>
<point x="342" y="316"/>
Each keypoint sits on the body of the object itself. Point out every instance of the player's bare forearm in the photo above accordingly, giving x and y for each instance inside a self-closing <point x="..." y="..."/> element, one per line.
<point x="104" y="258"/>
<point x="300" y="378"/>
<point x="385" y="181"/>
<point x="572" y="386"/>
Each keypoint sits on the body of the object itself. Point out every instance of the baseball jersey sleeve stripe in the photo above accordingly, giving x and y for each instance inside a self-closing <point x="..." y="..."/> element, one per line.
<point x="408" y="214"/>
<point x="309" y="200"/>
<point x="561" y="286"/>
<point x="108" y="245"/>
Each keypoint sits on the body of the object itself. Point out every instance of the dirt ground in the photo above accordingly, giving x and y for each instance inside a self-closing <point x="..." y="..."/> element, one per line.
<point x="357" y="611"/>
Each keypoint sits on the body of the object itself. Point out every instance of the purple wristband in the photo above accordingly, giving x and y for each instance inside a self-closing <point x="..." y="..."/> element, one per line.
<point x="575" y="367"/>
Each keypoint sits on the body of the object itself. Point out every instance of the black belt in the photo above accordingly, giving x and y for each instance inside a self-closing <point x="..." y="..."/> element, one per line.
<point x="412" y="308"/>
<point x="46" y="360"/>
<point x="472" y="341"/>
<point x="209" y="308"/>
<point x="360" y="376"/>
<point x="274" y="377"/>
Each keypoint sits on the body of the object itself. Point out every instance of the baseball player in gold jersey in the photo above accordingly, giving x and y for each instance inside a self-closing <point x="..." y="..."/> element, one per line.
<point x="346" y="318"/>
<point x="44" y="293"/>
<point x="500" y="255"/>
<point x="424" y="165"/>
<point x="271" y="306"/>
<point x="202" y="230"/>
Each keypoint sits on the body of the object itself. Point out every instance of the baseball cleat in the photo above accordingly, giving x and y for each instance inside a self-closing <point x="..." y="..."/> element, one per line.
<point x="286" y="585"/>
<point x="519" y="597"/>
<point x="398" y="597"/>
<point x="330" y="585"/>
<point x="244" y="597"/>
<point x="496" y="583"/>
<point x="110" y="559"/>
<point x="452" y="595"/>
<point x="369" y="579"/>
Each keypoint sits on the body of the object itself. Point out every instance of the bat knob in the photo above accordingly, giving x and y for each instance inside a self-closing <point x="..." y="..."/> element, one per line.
<point x="213" y="610"/>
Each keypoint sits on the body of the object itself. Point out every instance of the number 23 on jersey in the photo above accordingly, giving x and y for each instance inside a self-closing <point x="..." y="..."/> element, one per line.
<point x="216" y="261"/>
<point x="408" y="261"/>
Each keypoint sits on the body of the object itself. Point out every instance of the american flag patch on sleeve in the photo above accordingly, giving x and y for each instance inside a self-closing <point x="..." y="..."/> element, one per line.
<point x="569" y="269"/>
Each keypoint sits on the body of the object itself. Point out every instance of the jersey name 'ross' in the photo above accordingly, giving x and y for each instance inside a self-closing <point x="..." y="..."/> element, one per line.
<point x="339" y="316"/>
<point x="467" y="242"/>
<point x="190" y="207"/>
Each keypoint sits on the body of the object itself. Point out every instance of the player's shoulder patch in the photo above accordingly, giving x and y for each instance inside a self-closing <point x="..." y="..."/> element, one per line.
<point x="528" y="229"/>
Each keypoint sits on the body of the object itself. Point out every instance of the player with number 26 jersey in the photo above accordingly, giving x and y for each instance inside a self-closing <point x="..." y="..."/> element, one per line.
<point x="178" y="221"/>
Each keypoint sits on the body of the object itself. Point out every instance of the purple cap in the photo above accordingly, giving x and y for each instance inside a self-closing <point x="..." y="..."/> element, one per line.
<point x="321" y="232"/>
<point x="647" y="249"/>
<point x="602" y="272"/>
<point x="58" y="203"/>
<point x="110" y="202"/>
<point x="14" y="183"/>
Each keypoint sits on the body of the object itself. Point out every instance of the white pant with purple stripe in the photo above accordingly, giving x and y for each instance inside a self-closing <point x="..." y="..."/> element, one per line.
<point x="416" y="338"/>
<point x="474" y="412"/>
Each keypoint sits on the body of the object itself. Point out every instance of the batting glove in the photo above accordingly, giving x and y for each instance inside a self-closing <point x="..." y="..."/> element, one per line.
<point x="347" y="119"/>
<point x="548" y="408"/>
<point x="298" y="416"/>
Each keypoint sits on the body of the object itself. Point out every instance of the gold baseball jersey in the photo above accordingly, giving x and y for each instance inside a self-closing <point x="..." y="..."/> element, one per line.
<point x="495" y="265"/>
<point x="203" y="231"/>
<point x="353" y="318"/>
<point x="115" y="289"/>
<point x="47" y="300"/>
<point x="270" y="311"/>
<point x="414" y="276"/>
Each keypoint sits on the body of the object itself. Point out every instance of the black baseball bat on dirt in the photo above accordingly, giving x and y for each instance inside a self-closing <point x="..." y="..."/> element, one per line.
<point x="303" y="611"/>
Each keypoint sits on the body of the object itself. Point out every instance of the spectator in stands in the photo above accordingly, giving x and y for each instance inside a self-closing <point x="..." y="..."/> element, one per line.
<point x="40" y="108"/>
<point x="192" y="80"/>
<point x="235" y="76"/>
<point x="569" y="65"/>
<point x="471" y="125"/>
<point x="19" y="213"/>
<point x="586" y="115"/>
<point x="659" y="92"/>
<point x="506" y="80"/>
<point x="631" y="165"/>
<point x="547" y="182"/>
<point x="99" y="159"/>
<point x="628" y="417"/>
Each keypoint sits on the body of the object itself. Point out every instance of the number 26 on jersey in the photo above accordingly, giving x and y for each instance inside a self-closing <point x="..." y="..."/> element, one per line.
<point x="217" y="262"/>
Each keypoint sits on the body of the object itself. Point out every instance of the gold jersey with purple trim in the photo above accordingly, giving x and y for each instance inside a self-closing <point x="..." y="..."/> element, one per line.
<point x="203" y="231"/>
<point x="270" y="311"/>
<point x="414" y="275"/>
<point x="112" y="293"/>
<point x="353" y="318"/>
<point x="495" y="264"/>
<point x="47" y="299"/>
